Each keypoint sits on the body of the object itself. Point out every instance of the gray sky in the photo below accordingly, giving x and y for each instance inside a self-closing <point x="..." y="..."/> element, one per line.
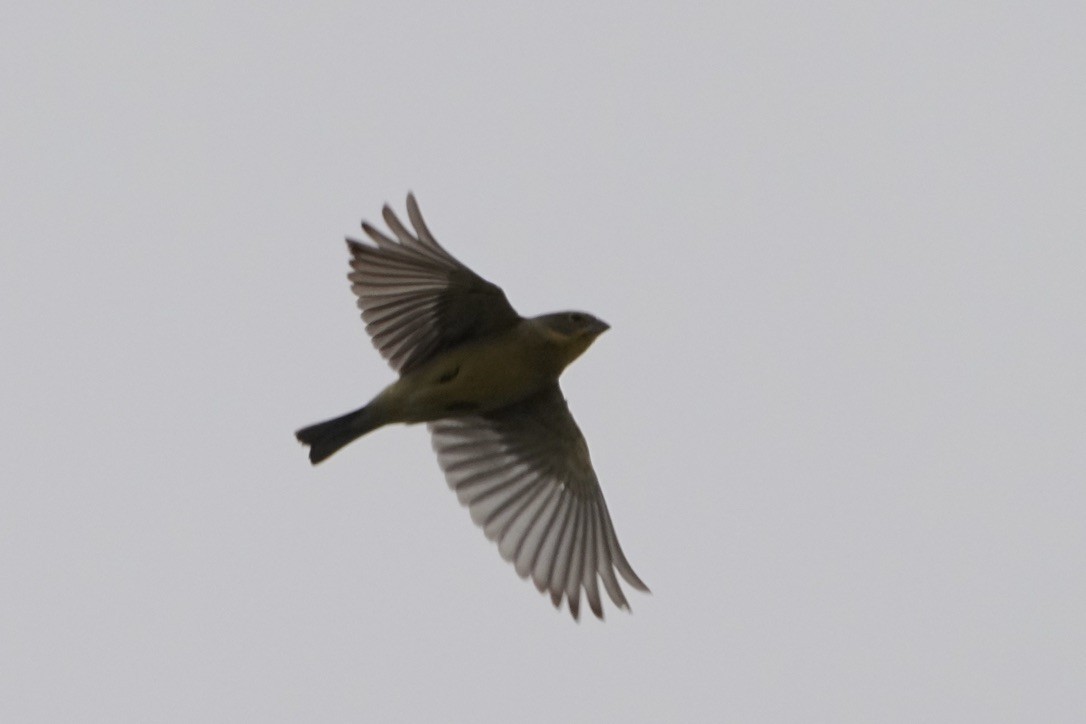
<point x="839" y="418"/>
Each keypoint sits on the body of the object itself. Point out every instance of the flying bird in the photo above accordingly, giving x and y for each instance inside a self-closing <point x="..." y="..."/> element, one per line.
<point x="485" y="382"/>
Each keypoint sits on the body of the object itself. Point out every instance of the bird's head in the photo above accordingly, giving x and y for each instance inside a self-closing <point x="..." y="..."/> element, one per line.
<point x="571" y="332"/>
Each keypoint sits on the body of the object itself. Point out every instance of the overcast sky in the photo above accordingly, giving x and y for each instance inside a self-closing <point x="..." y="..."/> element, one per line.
<point x="839" y="417"/>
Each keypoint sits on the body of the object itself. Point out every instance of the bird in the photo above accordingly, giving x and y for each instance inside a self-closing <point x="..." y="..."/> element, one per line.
<point x="484" y="379"/>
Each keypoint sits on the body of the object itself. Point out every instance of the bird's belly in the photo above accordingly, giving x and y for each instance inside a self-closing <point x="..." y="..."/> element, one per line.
<point x="477" y="379"/>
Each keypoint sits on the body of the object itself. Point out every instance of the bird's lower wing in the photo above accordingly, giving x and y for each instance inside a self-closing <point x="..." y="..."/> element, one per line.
<point x="525" y="475"/>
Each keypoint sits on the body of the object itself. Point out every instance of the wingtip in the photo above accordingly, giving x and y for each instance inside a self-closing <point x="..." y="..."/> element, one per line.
<point x="633" y="579"/>
<point x="412" y="206"/>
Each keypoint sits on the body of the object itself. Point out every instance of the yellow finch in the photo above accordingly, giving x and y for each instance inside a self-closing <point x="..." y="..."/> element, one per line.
<point x="485" y="380"/>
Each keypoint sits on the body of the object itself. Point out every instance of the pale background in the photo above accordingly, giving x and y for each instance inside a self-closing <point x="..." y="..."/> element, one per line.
<point x="839" y="418"/>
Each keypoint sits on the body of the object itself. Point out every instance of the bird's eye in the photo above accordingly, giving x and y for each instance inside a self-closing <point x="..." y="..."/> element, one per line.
<point x="576" y="318"/>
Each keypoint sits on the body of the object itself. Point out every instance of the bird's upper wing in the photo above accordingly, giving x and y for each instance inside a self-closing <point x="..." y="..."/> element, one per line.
<point x="417" y="300"/>
<point x="525" y="476"/>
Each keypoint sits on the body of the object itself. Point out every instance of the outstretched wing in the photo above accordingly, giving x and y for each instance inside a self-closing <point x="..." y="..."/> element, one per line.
<point x="525" y="475"/>
<point x="417" y="300"/>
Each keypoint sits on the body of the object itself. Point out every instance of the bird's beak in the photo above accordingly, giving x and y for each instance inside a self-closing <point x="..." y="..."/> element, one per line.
<point x="600" y="327"/>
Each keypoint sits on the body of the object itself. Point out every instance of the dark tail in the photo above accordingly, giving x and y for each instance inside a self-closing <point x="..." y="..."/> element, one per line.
<point x="325" y="438"/>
